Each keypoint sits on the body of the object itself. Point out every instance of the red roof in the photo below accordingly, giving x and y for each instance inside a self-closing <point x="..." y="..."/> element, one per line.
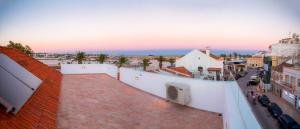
<point x="213" y="56"/>
<point x="40" y="111"/>
<point x="213" y="69"/>
<point x="181" y="70"/>
<point x="279" y="68"/>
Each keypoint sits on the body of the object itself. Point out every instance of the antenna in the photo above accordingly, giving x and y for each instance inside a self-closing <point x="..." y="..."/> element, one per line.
<point x="207" y="48"/>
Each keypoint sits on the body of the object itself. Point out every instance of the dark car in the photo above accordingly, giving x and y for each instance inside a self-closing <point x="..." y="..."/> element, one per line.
<point x="264" y="100"/>
<point x="287" y="122"/>
<point x="252" y="83"/>
<point x="237" y="76"/>
<point x="261" y="74"/>
<point x="275" y="110"/>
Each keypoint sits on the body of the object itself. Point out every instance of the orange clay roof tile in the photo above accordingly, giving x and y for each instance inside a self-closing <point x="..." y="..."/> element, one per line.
<point x="181" y="70"/>
<point x="212" y="55"/>
<point x="40" y="110"/>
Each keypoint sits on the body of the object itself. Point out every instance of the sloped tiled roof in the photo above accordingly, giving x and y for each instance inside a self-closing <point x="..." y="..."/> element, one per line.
<point x="279" y="68"/>
<point x="212" y="55"/>
<point x="213" y="69"/>
<point x="179" y="70"/>
<point x="40" y="111"/>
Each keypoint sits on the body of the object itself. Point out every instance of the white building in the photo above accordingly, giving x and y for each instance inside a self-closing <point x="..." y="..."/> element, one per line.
<point x="287" y="47"/>
<point x="202" y="62"/>
<point x="292" y="79"/>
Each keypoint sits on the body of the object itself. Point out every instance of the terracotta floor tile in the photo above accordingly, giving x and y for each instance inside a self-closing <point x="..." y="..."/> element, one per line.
<point x="101" y="102"/>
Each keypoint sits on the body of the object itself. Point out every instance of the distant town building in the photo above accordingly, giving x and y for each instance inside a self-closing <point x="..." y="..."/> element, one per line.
<point x="201" y="63"/>
<point x="285" y="82"/>
<point x="278" y="79"/>
<point x="260" y="54"/>
<point x="255" y="61"/>
<point x="237" y="65"/>
<point x="287" y="47"/>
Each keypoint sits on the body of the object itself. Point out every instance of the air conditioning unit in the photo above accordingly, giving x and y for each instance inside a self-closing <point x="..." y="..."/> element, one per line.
<point x="178" y="93"/>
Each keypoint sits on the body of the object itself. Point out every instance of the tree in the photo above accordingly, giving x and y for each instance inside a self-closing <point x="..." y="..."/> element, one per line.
<point x="25" y="49"/>
<point x="122" y="60"/>
<point x="145" y="63"/>
<point x="230" y="56"/>
<point x="80" y="56"/>
<point x="101" y="58"/>
<point x="223" y="55"/>
<point x="235" y="55"/>
<point x="172" y="61"/>
<point x="160" y="59"/>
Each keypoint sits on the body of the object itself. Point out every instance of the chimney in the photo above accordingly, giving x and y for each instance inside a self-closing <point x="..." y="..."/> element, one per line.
<point x="207" y="51"/>
<point x="297" y="61"/>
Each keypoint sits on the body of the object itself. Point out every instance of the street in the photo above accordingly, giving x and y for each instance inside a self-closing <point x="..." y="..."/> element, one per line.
<point x="261" y="113"/>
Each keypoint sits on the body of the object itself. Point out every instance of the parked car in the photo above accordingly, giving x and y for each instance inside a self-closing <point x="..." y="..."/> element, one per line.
<point x="287" y="122"/>
<point x="255" y="78"/>
<point x="264" y="100"/>
<point x="237" y="76"/>
<point x="242" y="74"/>
<point x="275" y="110"/>
<point x="260" y="74"/>
<point x="252" y="83"/>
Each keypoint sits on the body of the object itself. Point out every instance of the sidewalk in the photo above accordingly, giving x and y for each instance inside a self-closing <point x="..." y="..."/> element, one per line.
<point x="286" y="107"/>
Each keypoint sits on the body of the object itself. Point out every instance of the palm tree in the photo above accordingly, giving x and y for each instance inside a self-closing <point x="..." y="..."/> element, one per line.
<point x="230" y="56"/>
<point x="145" y="62"/>
<point x="101" y="58"/>
<point x="172" y="61"/>
<point x="223" y="55"/>
<point x="80" y="56"/>
<point x="160" y="59"/>
<point x="235" y="55"/>
<point x="122" y="60"/>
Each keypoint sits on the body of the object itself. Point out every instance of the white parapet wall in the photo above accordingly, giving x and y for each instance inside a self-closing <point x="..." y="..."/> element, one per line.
<point x="202" y="92"/>
<point x="89" y="69"/>
<point x="217" y="96"/>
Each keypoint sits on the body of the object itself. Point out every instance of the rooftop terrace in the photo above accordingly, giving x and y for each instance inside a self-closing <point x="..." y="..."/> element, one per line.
<point x="100" y="101"/>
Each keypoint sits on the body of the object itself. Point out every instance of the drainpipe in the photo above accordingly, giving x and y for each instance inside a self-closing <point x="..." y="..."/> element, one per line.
<point x="118" y="74"/>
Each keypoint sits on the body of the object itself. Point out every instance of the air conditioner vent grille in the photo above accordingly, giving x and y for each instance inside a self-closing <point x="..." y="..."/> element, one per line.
<point x="172" y="92"/>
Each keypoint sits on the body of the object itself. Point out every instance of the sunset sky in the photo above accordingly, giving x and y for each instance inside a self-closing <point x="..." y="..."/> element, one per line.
<point x="68" y="25"/>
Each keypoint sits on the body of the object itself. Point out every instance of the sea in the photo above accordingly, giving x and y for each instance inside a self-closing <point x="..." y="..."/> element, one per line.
<point x="167" y="52"/>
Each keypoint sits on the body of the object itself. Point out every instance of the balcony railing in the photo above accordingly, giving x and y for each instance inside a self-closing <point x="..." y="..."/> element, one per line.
<point x="283" y="84"/>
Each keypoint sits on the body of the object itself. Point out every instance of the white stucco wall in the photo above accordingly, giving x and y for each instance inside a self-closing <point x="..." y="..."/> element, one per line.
<point x="285" y="49"/>
<point x="237" y="111"/>
<point x="196" y="58"/>
<point x="293" y="72"/>
<point x="215" y="96"/>
<point x="202" y="92"/>
<point x="89" y="69"/>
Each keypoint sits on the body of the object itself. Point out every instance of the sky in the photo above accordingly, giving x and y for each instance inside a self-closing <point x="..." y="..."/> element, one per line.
<point x="70" y="25"/>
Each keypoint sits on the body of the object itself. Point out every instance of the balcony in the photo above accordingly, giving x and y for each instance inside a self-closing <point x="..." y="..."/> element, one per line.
<point x="283" y="84"/>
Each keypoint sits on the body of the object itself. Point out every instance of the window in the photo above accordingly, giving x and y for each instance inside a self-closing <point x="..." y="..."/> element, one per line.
<point x="287" y="79"/>
<point x="198" y="58"/>
<point x="298" y="82"/>
<point x="293" y="81"/>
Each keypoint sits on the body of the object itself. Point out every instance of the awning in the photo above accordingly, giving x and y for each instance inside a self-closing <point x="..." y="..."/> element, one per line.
<point x="214" y="69"/>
